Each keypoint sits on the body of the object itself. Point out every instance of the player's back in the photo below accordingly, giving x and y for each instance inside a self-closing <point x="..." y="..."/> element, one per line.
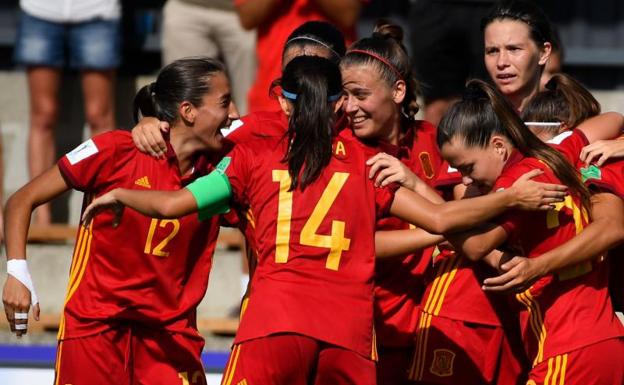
<point x="316" y="245"/>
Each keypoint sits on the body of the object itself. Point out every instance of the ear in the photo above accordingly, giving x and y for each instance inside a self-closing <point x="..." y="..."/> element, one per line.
<point x="187" y="112"/>
<point x="545" y="53"/>
<point x="398" y="91"/>
<point x="285" y="104"/>
<point x="499" y="144"/>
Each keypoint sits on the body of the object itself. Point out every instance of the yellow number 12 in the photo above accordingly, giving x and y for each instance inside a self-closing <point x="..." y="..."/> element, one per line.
<point x="336" y="242"/>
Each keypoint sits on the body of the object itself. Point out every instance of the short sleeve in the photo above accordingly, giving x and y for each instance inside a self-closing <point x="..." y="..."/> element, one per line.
<point x="572" y="146"/>
<point x="236" y="166"/>
<point x="447" y="177"/>
<point x="89" y="165"/>
<point x="384" y="196"/>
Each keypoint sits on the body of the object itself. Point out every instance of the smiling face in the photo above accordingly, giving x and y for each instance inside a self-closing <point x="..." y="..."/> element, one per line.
<point x="478" y="166"/>
<point x="513" y="59"/>
<point x="373" y="108"/>
<point x="216" y="111"/>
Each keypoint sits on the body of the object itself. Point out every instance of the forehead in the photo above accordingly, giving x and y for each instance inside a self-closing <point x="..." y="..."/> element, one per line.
<point x="457" y="153"/>
<point x="506" y="31"/>
<point x="365" y="75"/>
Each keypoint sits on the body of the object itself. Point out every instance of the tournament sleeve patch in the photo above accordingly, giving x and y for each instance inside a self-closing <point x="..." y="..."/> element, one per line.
<point x="82" y="152"/>
<point x="591" y="172"/>
<point x="224" y="164"/>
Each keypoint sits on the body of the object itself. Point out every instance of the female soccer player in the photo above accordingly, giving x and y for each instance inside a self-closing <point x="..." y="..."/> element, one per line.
<point x="517" y="37"/>
<point x="129" y="313"/>
<point x="568" y="325"/>
<point x="309" y="319"/>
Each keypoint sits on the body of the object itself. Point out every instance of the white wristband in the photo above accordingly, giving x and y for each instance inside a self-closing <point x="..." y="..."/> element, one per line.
<point x="18" y="268"/>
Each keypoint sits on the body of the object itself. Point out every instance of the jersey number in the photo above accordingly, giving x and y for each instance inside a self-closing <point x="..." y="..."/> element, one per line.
<point x="336" y="242"/>
<point x="159" y="249"/>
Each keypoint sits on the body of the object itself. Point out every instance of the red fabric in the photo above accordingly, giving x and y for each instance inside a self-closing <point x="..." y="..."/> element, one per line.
<point x="302" y="295"/>
<point x="272" y="35"/>
<point x="126" y="356"/>
<point x="596" y="364"/>
<point x="458" y="352"/>
<point x="399" y="282"/>
<point x="572" y="308"/>
<point x="113" y="278"/>
<point x="571" y="147"/>
<point x="292" y="359"/>
<point x="393" y="364"/>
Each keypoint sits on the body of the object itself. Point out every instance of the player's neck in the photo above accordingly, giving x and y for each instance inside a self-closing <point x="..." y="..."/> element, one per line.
<point x="185" y="149"/>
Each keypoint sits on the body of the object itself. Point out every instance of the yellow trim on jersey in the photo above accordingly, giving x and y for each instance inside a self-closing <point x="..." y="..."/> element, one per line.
<point x="57" y="365"/>
<point x="556" y="374"/>
<point x="422" y="339"/>
<point x="228" y="376"/>
<point x="374" y="353"/>
<point x="444" y="277"/>
<point x="536" y="321"/>
<point x="77" y="263"/>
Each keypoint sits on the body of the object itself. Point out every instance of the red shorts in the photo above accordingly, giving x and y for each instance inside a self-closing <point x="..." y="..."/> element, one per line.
<point x="293" y="359"/>
<point x="125" y="356"/>
<point x="601" y="363"/>
<point x="392" y="365"/>
<point x="456" y="352"/>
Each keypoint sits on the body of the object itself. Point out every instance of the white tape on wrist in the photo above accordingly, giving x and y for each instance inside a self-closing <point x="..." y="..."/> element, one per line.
<point x="18" y="268"/>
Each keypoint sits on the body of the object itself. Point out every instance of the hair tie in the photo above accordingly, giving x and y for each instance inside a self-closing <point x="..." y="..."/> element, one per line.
<point x="316" y="41"/>
<point x="381" y="59"/>
<point x="151" y="87"/>
<point x="293" y="96"/>
<point x="289" y="95"/>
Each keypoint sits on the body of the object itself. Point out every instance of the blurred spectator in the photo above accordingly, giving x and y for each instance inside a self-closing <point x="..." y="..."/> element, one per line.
<point x="83" y="35"/>
<point x="211" y="28"/>
<point x="275" y="20"/>
<point x="447" y="48"/>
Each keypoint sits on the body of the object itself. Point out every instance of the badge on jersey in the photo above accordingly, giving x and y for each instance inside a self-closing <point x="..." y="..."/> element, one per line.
<point x="591" y="172"/>
<point x="442" y="365"/>
<point x="82" y="152"/>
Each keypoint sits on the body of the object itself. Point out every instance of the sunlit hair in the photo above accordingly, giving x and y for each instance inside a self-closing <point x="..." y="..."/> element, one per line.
<point x="524" y="11"/>
<point x="484" y="112"/>
<point x="384" y="51"/>
<point x="311" y="84"/>
<point x="564" y="100"/>
<point x="317" y="34"/>
<point x="183" y="80"/>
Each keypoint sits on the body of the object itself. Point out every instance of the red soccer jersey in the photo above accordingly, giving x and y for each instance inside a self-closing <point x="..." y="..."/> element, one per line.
<point x="272" y="35"/>
<point x="567" y="310"/>
<point x="570" y="144"/>
<point x="315" y="247"/>
<point x="153" y="272"/>
<point x="399" y="282"/>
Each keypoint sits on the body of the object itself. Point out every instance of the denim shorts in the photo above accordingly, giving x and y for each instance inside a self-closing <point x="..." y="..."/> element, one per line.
<point x="93" y="44"/>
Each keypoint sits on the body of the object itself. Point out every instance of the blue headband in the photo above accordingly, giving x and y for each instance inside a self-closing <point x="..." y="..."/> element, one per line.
<point x="293" y="96"/>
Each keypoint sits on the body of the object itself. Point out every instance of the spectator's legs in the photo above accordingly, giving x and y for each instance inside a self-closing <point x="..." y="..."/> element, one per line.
<point x="98" y="89"/>
<point x="43" y="83"/>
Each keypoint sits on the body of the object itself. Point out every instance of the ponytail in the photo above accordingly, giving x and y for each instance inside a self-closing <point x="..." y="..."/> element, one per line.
<point x="311" y="84"/>
<point x="564" y="100"/>
<point x="483" y="112"/>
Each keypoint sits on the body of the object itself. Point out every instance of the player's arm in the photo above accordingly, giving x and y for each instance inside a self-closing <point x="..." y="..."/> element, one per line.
<point x="147" y="136"/>
<point x="608" y="125"/>
<point x="18" y="293"/>
<point x="208" y="195"/>
<point x="605" y="232"/>
<point x="398" y="243"/>
<point x="463" y="214"/>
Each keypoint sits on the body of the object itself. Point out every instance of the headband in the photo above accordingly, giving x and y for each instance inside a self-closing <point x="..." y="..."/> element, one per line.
<point x="543" y="124"/>
<point x="381" y="59"/>
<point x="293" y="96"/>
<point x="316" y="41"/>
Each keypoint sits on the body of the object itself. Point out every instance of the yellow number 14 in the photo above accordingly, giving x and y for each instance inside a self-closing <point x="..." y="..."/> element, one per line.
<point x="336" y="242"/>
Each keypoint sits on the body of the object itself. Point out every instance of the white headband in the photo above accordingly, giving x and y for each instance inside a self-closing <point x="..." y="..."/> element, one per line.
<point x="314" y="40"/>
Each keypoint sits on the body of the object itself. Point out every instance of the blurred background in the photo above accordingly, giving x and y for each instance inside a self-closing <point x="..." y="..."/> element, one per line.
<point x="592" y="39"/>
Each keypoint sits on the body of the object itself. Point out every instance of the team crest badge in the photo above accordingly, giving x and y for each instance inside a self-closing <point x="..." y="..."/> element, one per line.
<point x="425" y="164"/>
<point x="442" y="365"/>
<point x="339" y="150"/>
